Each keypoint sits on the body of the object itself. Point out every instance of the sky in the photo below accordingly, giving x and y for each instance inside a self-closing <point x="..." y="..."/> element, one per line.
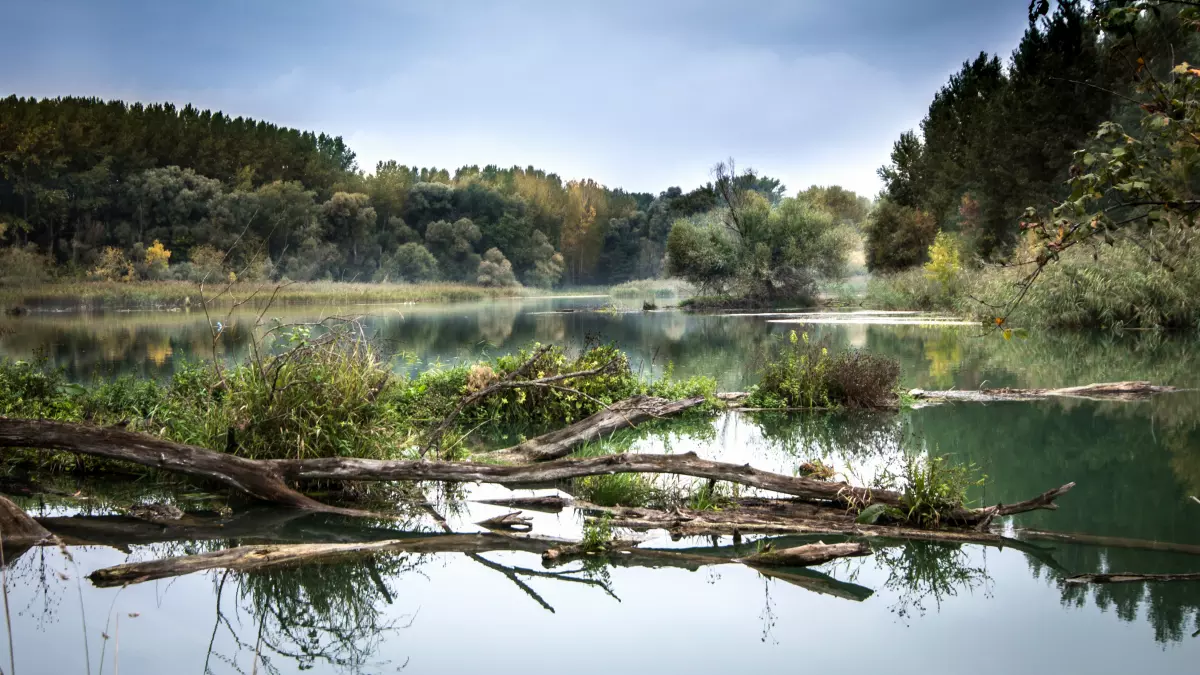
<point x="642" y="95"/>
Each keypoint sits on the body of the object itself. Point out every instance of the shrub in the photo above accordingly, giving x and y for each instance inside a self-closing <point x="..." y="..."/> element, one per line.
<point x="803" y="374"/>
<point x="23" y="265"/>
<point x="495" y="270"/>
<point x="912" y="289"/>
<point x="412" y="263"/>
<point x="945" y="263"/>
<point x="112" y="265"/>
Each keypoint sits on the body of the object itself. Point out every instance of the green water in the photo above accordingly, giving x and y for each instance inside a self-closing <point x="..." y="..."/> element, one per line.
<point x="908" y="609"/>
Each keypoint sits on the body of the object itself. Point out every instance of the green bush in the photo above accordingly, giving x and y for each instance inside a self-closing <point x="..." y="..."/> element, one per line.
<point x="803" y="374"/>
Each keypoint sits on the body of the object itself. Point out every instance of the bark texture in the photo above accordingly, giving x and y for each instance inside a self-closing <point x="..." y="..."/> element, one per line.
<point x="17" y="528"/>
<point x="267" y="479"/>
<point x="809" y="554"/>
<point x="620" y="415"/>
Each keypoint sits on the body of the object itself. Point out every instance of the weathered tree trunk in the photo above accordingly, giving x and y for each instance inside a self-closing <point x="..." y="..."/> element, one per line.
<point x="17" y="528"/>
<point x="620" y="415"/>
<point x="546" y="503"/>
<point x="809" y="554"/>
<point x="265" y="479"/>
<point x="1110" y="542"/>
<point x="245" y="475"/>
<point x="1128" y="577"/>
<point x="245" y="558"/>
<point x="1106" y="391"/>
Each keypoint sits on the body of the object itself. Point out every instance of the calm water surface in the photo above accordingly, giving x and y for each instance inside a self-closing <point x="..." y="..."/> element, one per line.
<point x="907" y="609"/>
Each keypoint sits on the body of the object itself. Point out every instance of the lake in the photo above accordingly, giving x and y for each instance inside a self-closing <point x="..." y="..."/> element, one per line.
<point x="909" y="608"/>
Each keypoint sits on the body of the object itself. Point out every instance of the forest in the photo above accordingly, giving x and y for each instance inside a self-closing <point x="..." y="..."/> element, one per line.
<point x="1072" y="163"/>
<point x="115" y="191"/>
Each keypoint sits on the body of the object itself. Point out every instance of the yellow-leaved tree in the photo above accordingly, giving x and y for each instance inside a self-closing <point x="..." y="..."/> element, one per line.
<point x="945" y="260"/>
<point x="157" y="259"/>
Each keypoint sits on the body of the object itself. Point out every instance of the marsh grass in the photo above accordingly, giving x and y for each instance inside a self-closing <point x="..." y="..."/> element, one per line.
<point x="658" y="288"/>
<point x="169" y="294"/>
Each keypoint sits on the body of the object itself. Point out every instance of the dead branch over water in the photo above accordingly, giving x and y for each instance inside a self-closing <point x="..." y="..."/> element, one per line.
<point x="268" y="479"/>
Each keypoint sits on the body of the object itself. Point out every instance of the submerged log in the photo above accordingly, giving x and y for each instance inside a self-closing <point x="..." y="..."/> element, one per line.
<point x="620" y="415"/>
<point x="17" y="528"/>
<point x="246" y="558"/>
<point x="267" y="479"/>
<point x="1105" y="391"/>
<point x="809" y="554"/>
<point x="513" y="522"/>
<point x="546" y="503"/>
<point x="1129" y="577"/>
<point x="1110" y="542"/>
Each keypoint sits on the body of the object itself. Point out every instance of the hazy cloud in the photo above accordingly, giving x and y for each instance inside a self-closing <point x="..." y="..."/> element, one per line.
<point x="641" y="95"/>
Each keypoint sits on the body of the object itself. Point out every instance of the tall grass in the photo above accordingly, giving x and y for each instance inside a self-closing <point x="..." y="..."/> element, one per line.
<point x="169" y="294"/>
<point x="658" y="288"/>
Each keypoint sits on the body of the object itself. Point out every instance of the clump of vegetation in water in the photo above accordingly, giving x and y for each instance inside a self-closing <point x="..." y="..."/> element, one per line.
<point x="930" y="487"/>
<point x="804" y="374"/>
<point x="331" y="395"/>
<point x="597" y="535"/>
<point x="934" y="486"/>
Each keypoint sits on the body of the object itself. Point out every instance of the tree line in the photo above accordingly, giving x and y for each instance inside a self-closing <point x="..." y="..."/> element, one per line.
<point x="112" y="190"/>
<point x="1000" y="137"/>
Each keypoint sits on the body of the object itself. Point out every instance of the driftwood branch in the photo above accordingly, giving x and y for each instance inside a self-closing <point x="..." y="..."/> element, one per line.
<point x="513" y="522"/>
<point x="1109" y="542"/>
<point x="546" y="503"/>
<point x="17" y="528"/>
<point x="620" y="415"/>
<point x="267" y="479"/>
<point x="1106" y="391"/>
<point x="251" y="477"/>
<point x="809" y="554"/>
<point x="1128" y="577"/>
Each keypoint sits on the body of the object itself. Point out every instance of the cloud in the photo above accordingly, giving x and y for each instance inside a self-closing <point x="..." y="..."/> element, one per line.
<point x="641" y="95"/>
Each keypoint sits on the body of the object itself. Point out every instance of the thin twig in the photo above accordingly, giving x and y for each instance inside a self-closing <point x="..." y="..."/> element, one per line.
<point x="12" y="659"/>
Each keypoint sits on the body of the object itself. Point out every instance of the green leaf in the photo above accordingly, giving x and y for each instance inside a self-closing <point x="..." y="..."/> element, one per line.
<point x="871" y="514"/>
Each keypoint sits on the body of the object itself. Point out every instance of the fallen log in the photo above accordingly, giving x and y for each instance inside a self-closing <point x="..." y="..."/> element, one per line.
<point x="804" y="556"/>
<point x="17" y="528"/>
<point x="249" y="476"/>
<point x="247" y="558"/>
<point x="513" y="522"/>
<point x="620" y="415"/>
<point x="765" y="516"/>
<point x="1110" y="542"/>
<point x="1129" y="577"/>
<point x="251" y="558"/>
<point x="1105" y="391"/>
<point x="267" y="479"/>
<point x="546" y="503"/>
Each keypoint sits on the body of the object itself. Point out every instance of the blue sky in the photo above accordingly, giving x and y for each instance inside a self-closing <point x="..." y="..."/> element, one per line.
<point x="637" y="94"/>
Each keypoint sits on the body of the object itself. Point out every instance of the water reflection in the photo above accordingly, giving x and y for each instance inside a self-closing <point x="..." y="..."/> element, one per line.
<point x="1135" y="465"/>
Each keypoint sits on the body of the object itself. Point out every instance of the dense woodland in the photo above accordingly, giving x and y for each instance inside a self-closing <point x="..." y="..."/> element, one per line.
<point x="1001" y="136"/>
<point x="1057" y="189"/>
<point x="116" y="191"/>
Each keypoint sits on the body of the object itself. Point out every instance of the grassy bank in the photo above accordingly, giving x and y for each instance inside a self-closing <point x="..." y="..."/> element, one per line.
<point x="1091" y="287"/>
<point x="171" y="294"/>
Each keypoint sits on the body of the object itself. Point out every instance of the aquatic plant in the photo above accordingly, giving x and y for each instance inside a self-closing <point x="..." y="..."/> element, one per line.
<point x="802" y="374"/>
